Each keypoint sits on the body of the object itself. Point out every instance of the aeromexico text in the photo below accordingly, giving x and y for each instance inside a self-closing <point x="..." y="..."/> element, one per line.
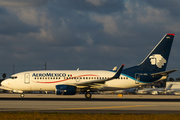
<point x="49" y="75"/>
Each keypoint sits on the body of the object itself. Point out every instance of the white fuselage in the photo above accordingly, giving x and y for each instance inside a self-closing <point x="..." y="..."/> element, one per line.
<point x="46" y="80"/>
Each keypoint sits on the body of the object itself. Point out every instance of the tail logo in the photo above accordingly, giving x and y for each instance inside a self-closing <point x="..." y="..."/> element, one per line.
<point x="158" y="60"/>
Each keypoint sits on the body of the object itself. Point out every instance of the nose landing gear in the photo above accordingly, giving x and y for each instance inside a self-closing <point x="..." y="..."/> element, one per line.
<point x="22" y="95"/>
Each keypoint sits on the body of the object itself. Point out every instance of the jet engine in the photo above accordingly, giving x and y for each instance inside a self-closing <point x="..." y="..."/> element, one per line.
<point x="65" y="90"/>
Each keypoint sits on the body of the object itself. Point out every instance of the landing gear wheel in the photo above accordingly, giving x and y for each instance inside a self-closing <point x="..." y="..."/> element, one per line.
<point x="88" y="95"/>
<point x="22" y="95"/>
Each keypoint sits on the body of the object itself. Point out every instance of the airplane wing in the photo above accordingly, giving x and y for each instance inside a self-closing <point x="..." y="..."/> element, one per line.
<point x="165" y="73"/>
<point x="101" y="81"/>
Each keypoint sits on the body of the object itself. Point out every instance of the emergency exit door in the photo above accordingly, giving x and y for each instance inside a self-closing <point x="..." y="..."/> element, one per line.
<point x="137" y="77"/>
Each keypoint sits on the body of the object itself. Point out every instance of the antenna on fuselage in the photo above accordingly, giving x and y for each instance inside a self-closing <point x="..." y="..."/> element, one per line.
<point x="45" y="65"/>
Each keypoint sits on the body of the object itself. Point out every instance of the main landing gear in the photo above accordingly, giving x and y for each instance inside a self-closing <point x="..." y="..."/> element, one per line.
<point x="88" y="95"/>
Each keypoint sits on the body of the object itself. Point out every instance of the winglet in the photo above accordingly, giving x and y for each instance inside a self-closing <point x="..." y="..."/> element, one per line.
<point x="171" y="34"/>
<point x="118" y="72"/>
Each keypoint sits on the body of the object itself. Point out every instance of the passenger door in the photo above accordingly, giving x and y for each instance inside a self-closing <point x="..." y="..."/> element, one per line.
<point x="26" y="78"/>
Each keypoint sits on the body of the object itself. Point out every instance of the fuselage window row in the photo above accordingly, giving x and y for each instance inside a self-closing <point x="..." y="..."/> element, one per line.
<point x="88" y="78"/>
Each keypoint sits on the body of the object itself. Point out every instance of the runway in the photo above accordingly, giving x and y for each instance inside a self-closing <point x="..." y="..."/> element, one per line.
<point x="148" y="104"/>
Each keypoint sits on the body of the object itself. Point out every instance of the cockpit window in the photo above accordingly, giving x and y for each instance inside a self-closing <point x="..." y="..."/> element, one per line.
<point x="14" y="77"/>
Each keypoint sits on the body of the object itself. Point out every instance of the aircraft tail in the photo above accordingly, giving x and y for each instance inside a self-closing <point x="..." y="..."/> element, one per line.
<point x="169" y="86"/>
<point x="157" y="59"/>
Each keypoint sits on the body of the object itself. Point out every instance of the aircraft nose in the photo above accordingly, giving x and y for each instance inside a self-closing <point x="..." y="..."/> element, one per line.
<point x="4" y="83"/>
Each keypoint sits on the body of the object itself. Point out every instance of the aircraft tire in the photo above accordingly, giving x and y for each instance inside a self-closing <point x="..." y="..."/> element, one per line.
<point x="22" y="95"/>
<point x="88" y="95"/>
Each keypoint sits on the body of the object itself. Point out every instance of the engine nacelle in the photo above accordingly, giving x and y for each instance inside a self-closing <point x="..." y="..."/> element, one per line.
<point x="17" y="91"/>
<point x="65" y="90"/>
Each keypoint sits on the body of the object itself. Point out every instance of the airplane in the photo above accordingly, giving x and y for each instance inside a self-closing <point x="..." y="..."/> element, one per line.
<point x="176" y="91"/>
<point x="70" y="82"/>
<point x="173" y="90"/>
<point x="155" y="91"/>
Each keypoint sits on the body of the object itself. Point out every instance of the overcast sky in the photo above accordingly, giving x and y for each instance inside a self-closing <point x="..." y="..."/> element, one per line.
<point x="85" y="34"/>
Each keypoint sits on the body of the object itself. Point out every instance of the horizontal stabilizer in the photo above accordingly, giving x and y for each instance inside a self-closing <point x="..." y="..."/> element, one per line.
<point x="165" y="73"/>
<point x="115" y="68"/>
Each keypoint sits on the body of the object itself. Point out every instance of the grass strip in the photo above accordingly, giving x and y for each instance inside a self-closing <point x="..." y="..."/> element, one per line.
<point x="82" y="116"/>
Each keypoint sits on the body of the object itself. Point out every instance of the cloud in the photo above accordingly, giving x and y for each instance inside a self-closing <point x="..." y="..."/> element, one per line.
<point x="10" y="24"/>
<point x="21" y="3"/>
<point x="90" y="34"/>
<point x="170" y="6"/>
<point x="96" y="2"/>
<point x="97" y="6"/>
<point x="109" y="23"/>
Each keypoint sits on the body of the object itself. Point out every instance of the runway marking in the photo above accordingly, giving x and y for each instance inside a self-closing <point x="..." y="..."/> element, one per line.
<point x="91" y="108"/>
<point x="105" y="107"/>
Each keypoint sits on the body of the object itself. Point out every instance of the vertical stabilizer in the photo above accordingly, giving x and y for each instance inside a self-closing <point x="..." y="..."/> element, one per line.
<point x="169" y="86"/>
<point x="157" y="59"/>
